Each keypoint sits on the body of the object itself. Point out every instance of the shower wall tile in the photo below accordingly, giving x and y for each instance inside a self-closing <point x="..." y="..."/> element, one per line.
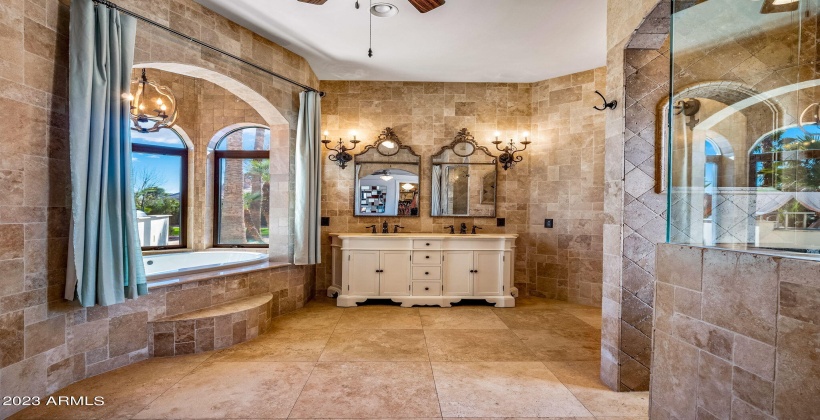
<point x="739" y="376"/>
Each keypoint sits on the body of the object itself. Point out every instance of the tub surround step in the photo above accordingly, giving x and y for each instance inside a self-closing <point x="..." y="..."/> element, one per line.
<point x="223" y="308"/>
<point x="213" y="328"/>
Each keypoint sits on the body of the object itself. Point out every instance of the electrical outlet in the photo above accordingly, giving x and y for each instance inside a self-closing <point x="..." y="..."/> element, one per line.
<point x="501" y="222"/>
<point x="548" y="223"/>
<point x="325" y="221"/>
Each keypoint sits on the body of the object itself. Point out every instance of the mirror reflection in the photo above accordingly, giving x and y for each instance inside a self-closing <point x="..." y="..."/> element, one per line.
<point x="464" y="179"/>
<point x="387" y="178"/>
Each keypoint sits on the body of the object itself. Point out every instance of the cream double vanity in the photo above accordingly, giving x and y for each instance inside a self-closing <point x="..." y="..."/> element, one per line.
<point x="423" y="269"/>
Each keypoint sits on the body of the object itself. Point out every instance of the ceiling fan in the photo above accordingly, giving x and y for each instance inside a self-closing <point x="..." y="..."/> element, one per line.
<point x="422" y="6"/>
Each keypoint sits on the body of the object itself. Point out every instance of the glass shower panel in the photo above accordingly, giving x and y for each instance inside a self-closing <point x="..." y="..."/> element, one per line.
<point x="744" y="171"/>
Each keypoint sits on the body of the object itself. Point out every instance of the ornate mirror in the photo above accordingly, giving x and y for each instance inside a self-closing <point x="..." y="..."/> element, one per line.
<point x="464" y="178"/>
<point x="387" y="178"/>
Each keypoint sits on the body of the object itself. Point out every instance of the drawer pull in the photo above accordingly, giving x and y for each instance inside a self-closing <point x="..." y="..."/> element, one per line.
<point x="428" y="257"/>
<point x="426" y="288"/>
<point x="426" y="273"/>
<point x="428" y="244"/>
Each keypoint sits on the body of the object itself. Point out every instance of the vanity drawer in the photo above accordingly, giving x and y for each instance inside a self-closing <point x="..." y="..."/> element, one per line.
<point x="426" y="273"/>
<point x="427" y="244"/>
<point x="426" y="288"/>
<point x="426" y="258"/>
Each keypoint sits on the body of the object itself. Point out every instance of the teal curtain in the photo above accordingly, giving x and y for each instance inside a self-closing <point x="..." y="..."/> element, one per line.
<point x="105" y="260"/>
<point x="308" y="176"/>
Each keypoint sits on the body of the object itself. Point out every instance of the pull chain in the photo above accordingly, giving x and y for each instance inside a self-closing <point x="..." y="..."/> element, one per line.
<point x="370" y="49"/>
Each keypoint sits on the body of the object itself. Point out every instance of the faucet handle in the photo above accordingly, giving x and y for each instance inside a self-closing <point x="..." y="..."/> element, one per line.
<point x="396" y="228"/>
<point x="474" y="228"/>
<point x="452" y="229"/>
<point x="372" y="227"/>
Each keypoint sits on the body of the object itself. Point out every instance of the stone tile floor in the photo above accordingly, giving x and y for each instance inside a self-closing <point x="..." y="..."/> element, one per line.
<point x="539" y="359"/>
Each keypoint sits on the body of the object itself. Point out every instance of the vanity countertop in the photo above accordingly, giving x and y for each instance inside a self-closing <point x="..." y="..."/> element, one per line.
<point x="427" y="235"/>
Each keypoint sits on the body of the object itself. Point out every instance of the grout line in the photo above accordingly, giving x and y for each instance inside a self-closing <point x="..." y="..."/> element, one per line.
<point x="171" y="386"/>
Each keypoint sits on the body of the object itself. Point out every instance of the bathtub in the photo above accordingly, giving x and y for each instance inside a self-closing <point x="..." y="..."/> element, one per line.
<point x="166" y="266"/>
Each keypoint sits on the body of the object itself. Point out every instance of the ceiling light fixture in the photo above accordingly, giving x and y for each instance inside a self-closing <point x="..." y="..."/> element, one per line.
<point x="386" y="176"/>
<point x="384" y="10"/>
<point x="408" y="187"/>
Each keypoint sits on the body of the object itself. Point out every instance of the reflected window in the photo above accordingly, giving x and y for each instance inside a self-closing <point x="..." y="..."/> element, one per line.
<point x="159" y="166"/>
<point x="242" y="189"/>
<point x="788" y="161"/>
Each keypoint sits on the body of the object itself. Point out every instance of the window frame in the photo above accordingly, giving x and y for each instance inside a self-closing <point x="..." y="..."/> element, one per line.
<point x="182" y="153"/>
<point x="219" y="156"/>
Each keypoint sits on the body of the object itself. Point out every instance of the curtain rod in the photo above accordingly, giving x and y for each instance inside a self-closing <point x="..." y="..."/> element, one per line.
<point x="111" y="5"/>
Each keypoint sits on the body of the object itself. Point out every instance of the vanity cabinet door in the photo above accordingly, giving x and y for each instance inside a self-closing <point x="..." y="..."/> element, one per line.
<point x="363" y="274"/>
<point x="395" y="273"/>
<point x="488" y="276"/>
<point x="458" y="267"/>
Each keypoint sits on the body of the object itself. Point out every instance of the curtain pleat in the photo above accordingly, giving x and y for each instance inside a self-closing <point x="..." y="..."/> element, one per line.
<point x="308" y="182"/>
<point x="105" y="259"/>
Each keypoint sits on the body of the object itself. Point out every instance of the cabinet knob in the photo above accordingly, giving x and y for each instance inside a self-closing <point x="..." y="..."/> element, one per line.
<point x="427" y="244"/>
<point x="426" y="273"/>
<point x="427" y="256"/>
<point x="426" y="288"/>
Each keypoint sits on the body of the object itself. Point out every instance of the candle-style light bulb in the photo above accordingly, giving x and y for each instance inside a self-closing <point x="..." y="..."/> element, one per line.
<point x="159" y="101"/>
<point x="526" y="136"/>
<point x="353" y="133"/>
<point x="163" y="108"/>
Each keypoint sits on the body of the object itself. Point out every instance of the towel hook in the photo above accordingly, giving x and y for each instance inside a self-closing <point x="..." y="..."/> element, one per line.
<point x="611" y="105"/>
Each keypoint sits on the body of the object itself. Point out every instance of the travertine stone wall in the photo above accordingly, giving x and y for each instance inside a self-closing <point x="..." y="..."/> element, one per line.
<point x="623" y="19"/>
<point x="560" y="177"/>
<point x="39" y="346"/>
<point x="736" y="335"/>
<point x="567" y="185"/>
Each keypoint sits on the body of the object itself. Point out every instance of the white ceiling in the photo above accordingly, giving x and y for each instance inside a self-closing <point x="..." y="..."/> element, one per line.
<point x="462" y="41"/>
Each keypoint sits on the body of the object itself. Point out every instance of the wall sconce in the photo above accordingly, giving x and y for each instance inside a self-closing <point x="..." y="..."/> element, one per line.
<point x="508" y="156"/>
<point x="341" y="155"/>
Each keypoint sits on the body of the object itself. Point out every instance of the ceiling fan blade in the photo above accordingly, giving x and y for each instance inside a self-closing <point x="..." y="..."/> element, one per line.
<point x="425" y="6"/>
<point x="316" y="2"/>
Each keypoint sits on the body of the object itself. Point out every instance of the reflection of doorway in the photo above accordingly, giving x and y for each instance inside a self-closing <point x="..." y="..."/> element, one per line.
<point x="711" y="175"/>
<point x="459" y="192"/>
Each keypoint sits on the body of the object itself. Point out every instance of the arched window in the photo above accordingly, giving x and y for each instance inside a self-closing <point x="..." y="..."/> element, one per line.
<point x="242" y="188"/>
<point x="159" y="165"/>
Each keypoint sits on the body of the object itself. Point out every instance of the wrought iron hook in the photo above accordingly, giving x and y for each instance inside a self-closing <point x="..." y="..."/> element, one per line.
<point x="611" y="105"/>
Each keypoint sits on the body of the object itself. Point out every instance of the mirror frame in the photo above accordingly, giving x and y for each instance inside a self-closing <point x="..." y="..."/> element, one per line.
<point x="386" y="135"/>
<point x="464" y="136"/>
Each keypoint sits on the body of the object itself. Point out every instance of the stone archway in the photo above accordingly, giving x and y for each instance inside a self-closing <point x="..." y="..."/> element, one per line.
<point x="263" y="114"/>
<point x="266" y="110"/>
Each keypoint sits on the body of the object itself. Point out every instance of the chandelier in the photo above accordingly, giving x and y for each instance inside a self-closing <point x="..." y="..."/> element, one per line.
<point x="509" y="155"/>
<point x="153" y="107"/>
